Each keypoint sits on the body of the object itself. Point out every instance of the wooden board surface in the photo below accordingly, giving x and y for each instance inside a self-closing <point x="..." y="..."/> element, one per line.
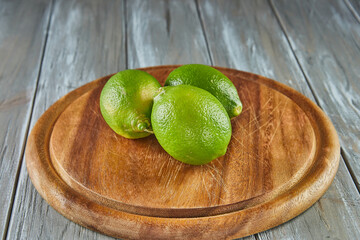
<point x="286" y="162"/>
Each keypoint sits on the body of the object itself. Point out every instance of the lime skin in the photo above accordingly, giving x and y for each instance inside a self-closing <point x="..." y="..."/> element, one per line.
<point x="126" y="102"/>
<point x="190" y="124"/>
<point x="211" y="80"/>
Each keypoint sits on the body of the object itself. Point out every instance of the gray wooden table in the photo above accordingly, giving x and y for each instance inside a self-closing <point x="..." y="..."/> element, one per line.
<point x="50" y="47"/>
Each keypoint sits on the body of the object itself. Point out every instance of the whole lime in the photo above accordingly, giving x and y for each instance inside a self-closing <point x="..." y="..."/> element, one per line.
<point x="190" y="124"/>
<point x="126" y="102"/>
<point x="211" y="80"/>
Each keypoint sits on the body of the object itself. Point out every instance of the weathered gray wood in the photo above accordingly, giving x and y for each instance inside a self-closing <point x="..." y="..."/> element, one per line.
<point x="86" y="41"/>
<point x="328" y="50"/>
<point x="354" y="6"/>
<point x="22" y="37"/>
<point x="335" y="216"/>
<point x="163" y="33"/>
<point x="246" y="35"/>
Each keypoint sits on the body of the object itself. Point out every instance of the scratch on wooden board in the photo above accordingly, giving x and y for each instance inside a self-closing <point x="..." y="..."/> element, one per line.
<point x="218" y="178"/>
<point x="171" y="174"/>
<point x="258" y="116"/>
<point x="276" y="129"/>
<point x="268" y="121"/>
<point x="114" y="135"/>
<point x="161" y="168"/>
<point x="245" y="129"/>
<point x="266" y="103"/>
<point x="167" y="174"/>
<point x="147" y="152"/>
<point x="251" y="107"/>
<point x="204" y="184"/>
<point x="219" y="162"/>
<point x="242" y="144"/>
<point x="179" y="198"/>
<point x="114" y="153"/>
<point x="255" y="118"/>
<point x="96" y="114"/>
<point x="175" y="171"/>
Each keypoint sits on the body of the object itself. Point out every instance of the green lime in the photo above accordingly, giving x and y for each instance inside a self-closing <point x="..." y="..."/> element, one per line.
<point x="190" y="124"/>
<point x="211" y="80"/>
<point x="126" y="101"/>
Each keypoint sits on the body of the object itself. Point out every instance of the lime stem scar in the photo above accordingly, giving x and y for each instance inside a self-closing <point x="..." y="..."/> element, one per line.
<point x="142" y="126"/>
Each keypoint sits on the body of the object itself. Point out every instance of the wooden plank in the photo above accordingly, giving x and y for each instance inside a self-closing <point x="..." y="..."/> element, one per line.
<point x="164" y="32"/>
<point x="86" y="41"/>
<point x="22" y="37"/>
<point x="328" y="50"/>
<point x="246" y="35"/>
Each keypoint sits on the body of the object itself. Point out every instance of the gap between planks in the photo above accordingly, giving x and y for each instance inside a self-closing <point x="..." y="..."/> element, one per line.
<point x="15" y="185"/>
<point x="343" y="155"/>
<point x="352" y="10"/>
<point x="203" y="31"/>
<point x="126" y="34"/>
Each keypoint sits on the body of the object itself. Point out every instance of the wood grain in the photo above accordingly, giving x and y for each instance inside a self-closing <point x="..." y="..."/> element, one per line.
<point x="328" y="50"/>
<point x="21" y="46"/>
<point x="252" y="40"/>
<point x="308" y="170"/>
<point x="164" y="32"/>
<point x="75" y="54"/>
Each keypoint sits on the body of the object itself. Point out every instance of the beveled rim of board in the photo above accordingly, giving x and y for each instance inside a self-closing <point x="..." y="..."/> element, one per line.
<point x="237" y="223"/>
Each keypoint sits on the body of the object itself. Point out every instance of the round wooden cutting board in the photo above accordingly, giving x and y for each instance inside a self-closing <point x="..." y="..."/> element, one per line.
<point x="283" y="155"/>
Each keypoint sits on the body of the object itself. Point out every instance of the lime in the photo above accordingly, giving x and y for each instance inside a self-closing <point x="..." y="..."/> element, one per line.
<point x="211" y="80"/>
<point x="126" y="101"/>
<point x="190" y="124"/>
